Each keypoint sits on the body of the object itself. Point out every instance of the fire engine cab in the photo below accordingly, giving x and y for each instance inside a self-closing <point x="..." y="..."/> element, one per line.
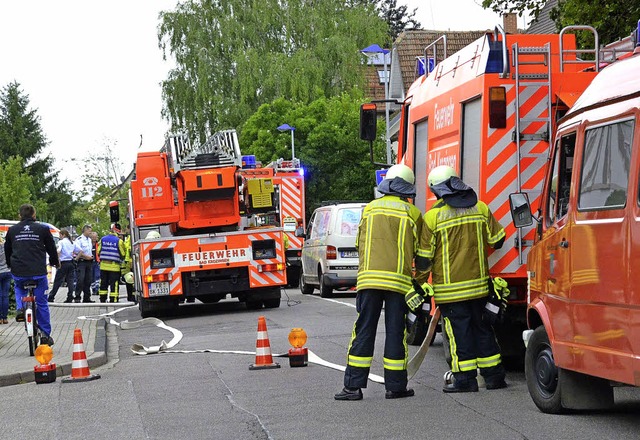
<point x="205" y="227"/>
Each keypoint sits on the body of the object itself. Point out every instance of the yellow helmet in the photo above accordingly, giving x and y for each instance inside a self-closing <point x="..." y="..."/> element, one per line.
<point x="440" y="174"/>
<point x="402" y="171"/>
<point x="153" y="234"/>
<point x="128" y="278"/>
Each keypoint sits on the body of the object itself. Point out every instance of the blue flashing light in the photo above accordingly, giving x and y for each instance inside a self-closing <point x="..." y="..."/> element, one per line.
<point x="301" y="171"/>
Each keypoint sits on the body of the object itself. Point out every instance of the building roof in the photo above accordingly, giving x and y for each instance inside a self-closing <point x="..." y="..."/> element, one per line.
<point x="411" y="44"/>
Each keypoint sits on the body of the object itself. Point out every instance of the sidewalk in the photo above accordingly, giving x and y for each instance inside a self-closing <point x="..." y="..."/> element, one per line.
<point x="16" y="366"/>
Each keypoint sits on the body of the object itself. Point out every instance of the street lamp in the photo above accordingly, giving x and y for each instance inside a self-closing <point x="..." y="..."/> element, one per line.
<point x="375" y="49"/>
<point x="287" y="127"/>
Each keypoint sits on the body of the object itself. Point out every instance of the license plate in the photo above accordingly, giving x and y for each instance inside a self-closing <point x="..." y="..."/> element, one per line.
<point x="158" y="289"/>
<point x="349" y="254"/>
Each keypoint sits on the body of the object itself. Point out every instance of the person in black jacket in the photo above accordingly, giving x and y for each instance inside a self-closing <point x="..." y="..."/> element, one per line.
<point x="26" y="247"/>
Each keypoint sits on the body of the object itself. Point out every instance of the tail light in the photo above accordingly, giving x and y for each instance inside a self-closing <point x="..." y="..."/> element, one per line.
<point x="497" y="107"/>
<point x="274" y="267"/>
<point x="332" y="254"/>
<point x="158" y="278"/>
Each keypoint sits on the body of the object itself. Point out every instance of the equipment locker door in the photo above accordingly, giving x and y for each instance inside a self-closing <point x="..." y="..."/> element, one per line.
<point x="471" y="135"/>
<point x="420" y="170"/>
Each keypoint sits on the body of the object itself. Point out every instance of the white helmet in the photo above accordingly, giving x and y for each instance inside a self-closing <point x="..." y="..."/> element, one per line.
<point x="440" y="174"/>
<point x="402" y="171"/>
<point x="153" y="234"/>
<point x="128" y="278"/>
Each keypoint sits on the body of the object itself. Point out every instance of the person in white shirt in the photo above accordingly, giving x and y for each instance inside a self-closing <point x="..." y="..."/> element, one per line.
<point x="83" y="248"/>
<point x="67" y="267"/>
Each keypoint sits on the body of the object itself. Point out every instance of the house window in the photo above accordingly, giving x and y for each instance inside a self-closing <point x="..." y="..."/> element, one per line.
<point x="383" y="76"/>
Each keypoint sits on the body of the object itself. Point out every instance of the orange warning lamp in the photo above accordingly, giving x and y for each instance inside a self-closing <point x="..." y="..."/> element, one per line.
<point x="297" y="337"/>
<point x="44" y="354"/>
<point x="298" y="355"/>
<point x="46" y="371"/>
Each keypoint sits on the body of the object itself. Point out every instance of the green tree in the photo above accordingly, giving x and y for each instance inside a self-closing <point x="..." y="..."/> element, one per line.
<point x="21" y="136"/>
<point x="234" y="55"/>
<point x="397" y="17"/>
<point x="16" y="187"/>
<point x="613" y="19"/>
<point x="327" y="142"/>
<point x="103" y="181"/>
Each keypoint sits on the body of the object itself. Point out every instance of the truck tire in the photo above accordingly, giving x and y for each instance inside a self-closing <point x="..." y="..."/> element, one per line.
<point x="272" y="303"/>
<point x="325" y="291"/>
<point x="305" y="288"/>
<point x="254" y="304"/>
<point x="293" y="276"/>
<point x="147" y="308"/>
<point x="417" y="331"/>
<point x="542" y="374"/>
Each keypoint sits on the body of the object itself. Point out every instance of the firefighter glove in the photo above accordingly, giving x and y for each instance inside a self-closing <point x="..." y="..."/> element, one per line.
<point x="417" y="296"/>
<point x="496" y="305"/>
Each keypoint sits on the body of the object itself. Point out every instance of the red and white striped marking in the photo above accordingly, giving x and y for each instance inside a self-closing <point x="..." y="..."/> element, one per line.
<point x="501" y="171"/>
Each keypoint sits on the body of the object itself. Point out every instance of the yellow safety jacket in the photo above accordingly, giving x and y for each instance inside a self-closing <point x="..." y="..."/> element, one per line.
<point x="388" y="239"/>
<point x="457" y="244"/>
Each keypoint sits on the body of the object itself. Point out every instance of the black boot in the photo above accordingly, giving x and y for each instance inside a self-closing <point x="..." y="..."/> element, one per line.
<point x="349" y="394"/>
<point x="399" y="394"/>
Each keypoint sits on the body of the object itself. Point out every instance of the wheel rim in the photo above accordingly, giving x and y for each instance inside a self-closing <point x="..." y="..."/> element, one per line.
<point x="546" y="372"/>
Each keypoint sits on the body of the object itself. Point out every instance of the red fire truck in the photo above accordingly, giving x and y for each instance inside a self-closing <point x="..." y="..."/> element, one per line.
<point x="205" y="227"/>
<point x="489" y="111"/>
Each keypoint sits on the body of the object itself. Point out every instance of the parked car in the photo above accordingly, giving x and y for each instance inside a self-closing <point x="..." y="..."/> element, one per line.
<point x="329" y="255"/>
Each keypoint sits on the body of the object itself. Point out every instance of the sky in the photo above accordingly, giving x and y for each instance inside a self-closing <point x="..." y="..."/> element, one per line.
<point x="92" y="70"/>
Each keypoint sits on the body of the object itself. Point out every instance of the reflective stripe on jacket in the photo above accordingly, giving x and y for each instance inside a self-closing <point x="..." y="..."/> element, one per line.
<point x="457" y="244"/>
<point x="388" y="239"/>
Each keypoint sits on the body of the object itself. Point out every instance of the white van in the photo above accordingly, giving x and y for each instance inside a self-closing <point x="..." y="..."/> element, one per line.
<point x="329" y="255"/>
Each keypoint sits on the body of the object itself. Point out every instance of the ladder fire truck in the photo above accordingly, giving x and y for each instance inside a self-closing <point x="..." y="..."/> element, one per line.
<point x="205" y="227"/>
<point x="489" y="111"/>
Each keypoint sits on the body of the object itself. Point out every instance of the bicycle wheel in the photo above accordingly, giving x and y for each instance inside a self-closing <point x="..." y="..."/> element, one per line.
<point x="36" y="330"/>
<point x="31" y="324"/>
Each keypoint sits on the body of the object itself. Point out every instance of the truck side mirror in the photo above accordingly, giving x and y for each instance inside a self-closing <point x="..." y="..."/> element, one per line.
<point x="300" y="232"/>
<point x="520" y="210"/>
<point x="368" y="120"/>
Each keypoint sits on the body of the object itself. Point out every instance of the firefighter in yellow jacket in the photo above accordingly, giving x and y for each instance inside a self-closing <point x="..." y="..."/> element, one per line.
<point x="126" y="264"/>
<point x="458" y="231"/>
<point x="388" y="241"/>
<point x="111" y="251"/>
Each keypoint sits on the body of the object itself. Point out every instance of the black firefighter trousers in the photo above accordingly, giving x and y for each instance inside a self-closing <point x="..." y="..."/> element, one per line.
<point x="472" y="342"/>
<point x="369" y="304"/>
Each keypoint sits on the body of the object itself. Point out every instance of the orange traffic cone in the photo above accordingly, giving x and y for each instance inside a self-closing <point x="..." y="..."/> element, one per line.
<point x="79" y="366"/>
<point x="264" y="359"/>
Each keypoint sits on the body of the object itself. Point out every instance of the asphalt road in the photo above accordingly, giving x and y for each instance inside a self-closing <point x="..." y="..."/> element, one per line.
<point x="216" y="396"/>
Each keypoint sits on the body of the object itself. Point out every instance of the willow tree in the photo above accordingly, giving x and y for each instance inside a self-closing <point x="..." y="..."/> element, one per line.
<point x="336" y="162"/>
<point x="234" y="55"/>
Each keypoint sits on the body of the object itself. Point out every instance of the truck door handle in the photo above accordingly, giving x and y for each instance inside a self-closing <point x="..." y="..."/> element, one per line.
<point x="564" y="244"/>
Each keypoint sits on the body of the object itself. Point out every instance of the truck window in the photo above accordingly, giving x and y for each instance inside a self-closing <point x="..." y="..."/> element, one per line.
<point x="321" y="224"/>
<point x="348" y="221"/>
<point x="560" y="189"/>
<point x="605" y="166"/>
<point x="310" y="227"/>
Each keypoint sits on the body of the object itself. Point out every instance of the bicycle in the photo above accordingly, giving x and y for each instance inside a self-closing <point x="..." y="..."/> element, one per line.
<point x="30" y="320"/>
